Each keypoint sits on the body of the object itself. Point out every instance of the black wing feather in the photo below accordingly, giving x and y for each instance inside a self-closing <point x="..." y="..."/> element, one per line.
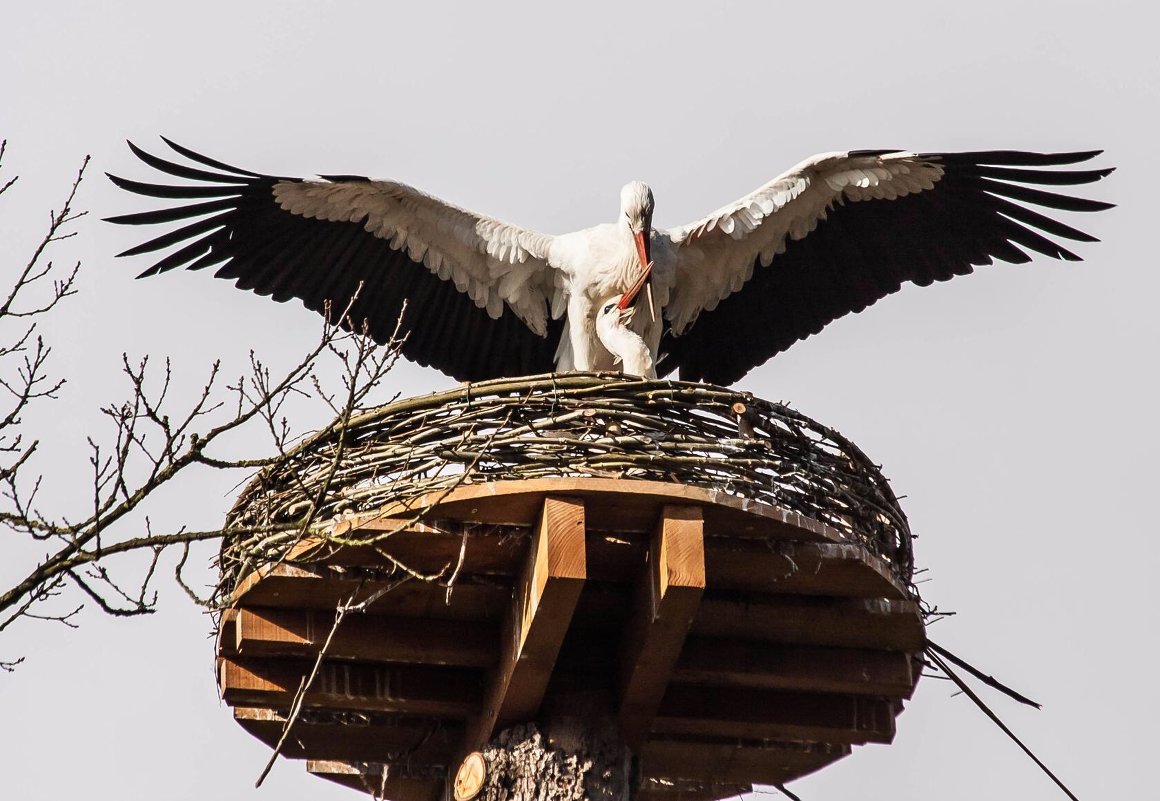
<point x="263" y="248"/>
<point x="180" y="170"/>
<point x="208" y="162"/>
<point x="867" y="250"/>
<point x="174" y="214"/>
<point x="168" y="191"/>
<point x="1042" y="177"/>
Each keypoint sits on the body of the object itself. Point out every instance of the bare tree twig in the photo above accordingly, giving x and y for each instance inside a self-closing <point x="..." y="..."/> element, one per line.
<point x="154" y="439"/>
<point x="977" y="701"/>
<point x="340" y="613"/>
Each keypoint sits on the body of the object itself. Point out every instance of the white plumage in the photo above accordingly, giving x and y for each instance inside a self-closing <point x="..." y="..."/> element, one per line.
<point x="486" y="298"/>
<point x="630" y="353"/>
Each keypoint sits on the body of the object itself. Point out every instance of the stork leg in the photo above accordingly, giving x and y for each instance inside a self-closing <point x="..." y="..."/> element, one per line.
<point x="582" y="333"/>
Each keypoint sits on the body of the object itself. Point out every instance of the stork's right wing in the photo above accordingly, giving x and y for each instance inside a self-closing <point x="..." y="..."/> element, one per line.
<point x="476" y="290"/>
<point x="843" y="230"/>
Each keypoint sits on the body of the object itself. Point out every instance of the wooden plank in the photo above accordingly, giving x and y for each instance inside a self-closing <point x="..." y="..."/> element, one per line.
<point x="491" y="550"/>
<point x="380" y="780"/>
<point x="431" y="550"/>
<point x="543" y="602"/>
<point x="408" y="690"/>
<point x="774" y="715"/>
<point x="764" y="763"/>
<point x="227" y="633"/>
<point x="856" y="671"/>
<point x="615" y="507"/>
<point x="666" y="603"/>
<point x="877" y="623"/>
<point x="321" y="734"/>
<point x="366" y="638"/>
<point x="824" y="568"/>
<point x="287" y="586"/>
<point x="731" y="562"/>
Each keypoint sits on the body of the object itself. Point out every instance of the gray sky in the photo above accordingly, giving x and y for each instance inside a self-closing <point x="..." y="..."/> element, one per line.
<point x="1014" y="408"/>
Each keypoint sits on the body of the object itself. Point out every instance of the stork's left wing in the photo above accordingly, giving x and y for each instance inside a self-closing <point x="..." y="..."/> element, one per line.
<point x="840" y="231"/>
<point x="475" y="290"/>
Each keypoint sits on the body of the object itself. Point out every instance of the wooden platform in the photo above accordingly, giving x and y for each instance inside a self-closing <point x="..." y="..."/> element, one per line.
<point x="744" y="644"/>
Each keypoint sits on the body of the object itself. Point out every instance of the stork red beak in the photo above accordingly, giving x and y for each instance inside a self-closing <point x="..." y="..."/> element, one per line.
<point x="643" y="247"/>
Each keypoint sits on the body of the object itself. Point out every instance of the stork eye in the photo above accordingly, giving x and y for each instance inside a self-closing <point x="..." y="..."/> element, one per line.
<point x="608" y="307"/>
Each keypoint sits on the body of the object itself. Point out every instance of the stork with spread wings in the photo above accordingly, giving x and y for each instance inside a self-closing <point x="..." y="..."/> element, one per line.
<point x="714" y="298"/>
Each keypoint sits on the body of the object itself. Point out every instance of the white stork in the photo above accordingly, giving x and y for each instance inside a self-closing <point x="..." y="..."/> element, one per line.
<point x="628" y="348"/>
<point x="486" y="299"/>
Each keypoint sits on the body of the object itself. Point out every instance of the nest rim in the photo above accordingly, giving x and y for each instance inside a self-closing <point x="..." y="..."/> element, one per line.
<point x="571" y="424"/>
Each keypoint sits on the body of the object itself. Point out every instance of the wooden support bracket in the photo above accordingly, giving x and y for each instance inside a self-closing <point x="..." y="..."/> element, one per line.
<point x="752" y="714"/>
<point x="263" y="632"/>
<point x="363" y="736"/>
<point x="401" y="689"/>
<point x="666" y="602"/>
<point x="765" y="763"/>
<point x="543" y="601"/>
<point x="775" y="666"/>
<point x="878" y="623"/>
<point x="322" y="587"/>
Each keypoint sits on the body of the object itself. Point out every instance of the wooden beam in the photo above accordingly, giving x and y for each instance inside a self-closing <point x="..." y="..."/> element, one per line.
<point x="732" y="563"/>
<point x="877" y="623"/>
<point x="767" y="763"/>
<point x="613" y="509"/>
<point x="366" y="638"/>
<point x="795" y="667"/>
<point x="753" y="714"/>
<point x="381" y="780"/>
<point x="286" y="586"/>
<point x="488" y="550"/>
<point x="809" y="568"/>
<point x="543" y="601"/>
<point x="434" y="691"/>
<point x="666" y="602"/>
<point x="354" y="736"/>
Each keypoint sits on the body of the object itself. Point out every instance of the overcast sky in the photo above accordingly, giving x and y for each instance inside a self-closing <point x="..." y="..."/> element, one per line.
<point x="1015" y="408"/>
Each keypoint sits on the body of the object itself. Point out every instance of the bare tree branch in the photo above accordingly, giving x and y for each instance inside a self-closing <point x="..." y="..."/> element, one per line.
<point x="154" y="439"/>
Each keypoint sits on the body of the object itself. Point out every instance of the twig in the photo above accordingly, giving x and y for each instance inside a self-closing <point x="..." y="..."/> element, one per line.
<point x="304" y="687"/>
<point x="781" y="788"/>
<point x="942" y="665"/>
<point x="990" y="681"/>
<point x="458" y="567"/>
<point x="340" y="612"/>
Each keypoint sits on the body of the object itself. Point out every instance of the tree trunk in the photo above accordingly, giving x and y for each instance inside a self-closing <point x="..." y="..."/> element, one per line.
<point x="578" y="755"/>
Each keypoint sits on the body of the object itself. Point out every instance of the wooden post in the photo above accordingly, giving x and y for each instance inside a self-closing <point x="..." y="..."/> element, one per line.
<point x="579" y="755"/>
<point x="666" y="602"/>
<point x="544" y="599"/>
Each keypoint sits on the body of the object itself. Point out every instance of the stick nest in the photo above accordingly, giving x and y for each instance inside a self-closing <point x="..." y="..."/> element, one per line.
<point x="597" y="425"/>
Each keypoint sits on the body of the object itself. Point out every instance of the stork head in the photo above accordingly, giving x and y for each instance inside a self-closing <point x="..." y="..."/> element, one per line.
<point x="636" y="204"/>
<point x="612" y="322"/>
<point x="612" y="313"/>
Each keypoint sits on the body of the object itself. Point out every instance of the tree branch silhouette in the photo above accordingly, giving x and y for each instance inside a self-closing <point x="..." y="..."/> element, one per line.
<point x="154" y="439"/>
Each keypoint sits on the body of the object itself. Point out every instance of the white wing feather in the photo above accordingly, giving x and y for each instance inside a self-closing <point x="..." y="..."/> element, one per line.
<point x="716" y="255"/>
<point x="490" y="261"/>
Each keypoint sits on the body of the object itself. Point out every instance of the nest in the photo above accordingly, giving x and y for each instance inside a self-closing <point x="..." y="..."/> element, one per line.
<point x="594" y="425"/>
